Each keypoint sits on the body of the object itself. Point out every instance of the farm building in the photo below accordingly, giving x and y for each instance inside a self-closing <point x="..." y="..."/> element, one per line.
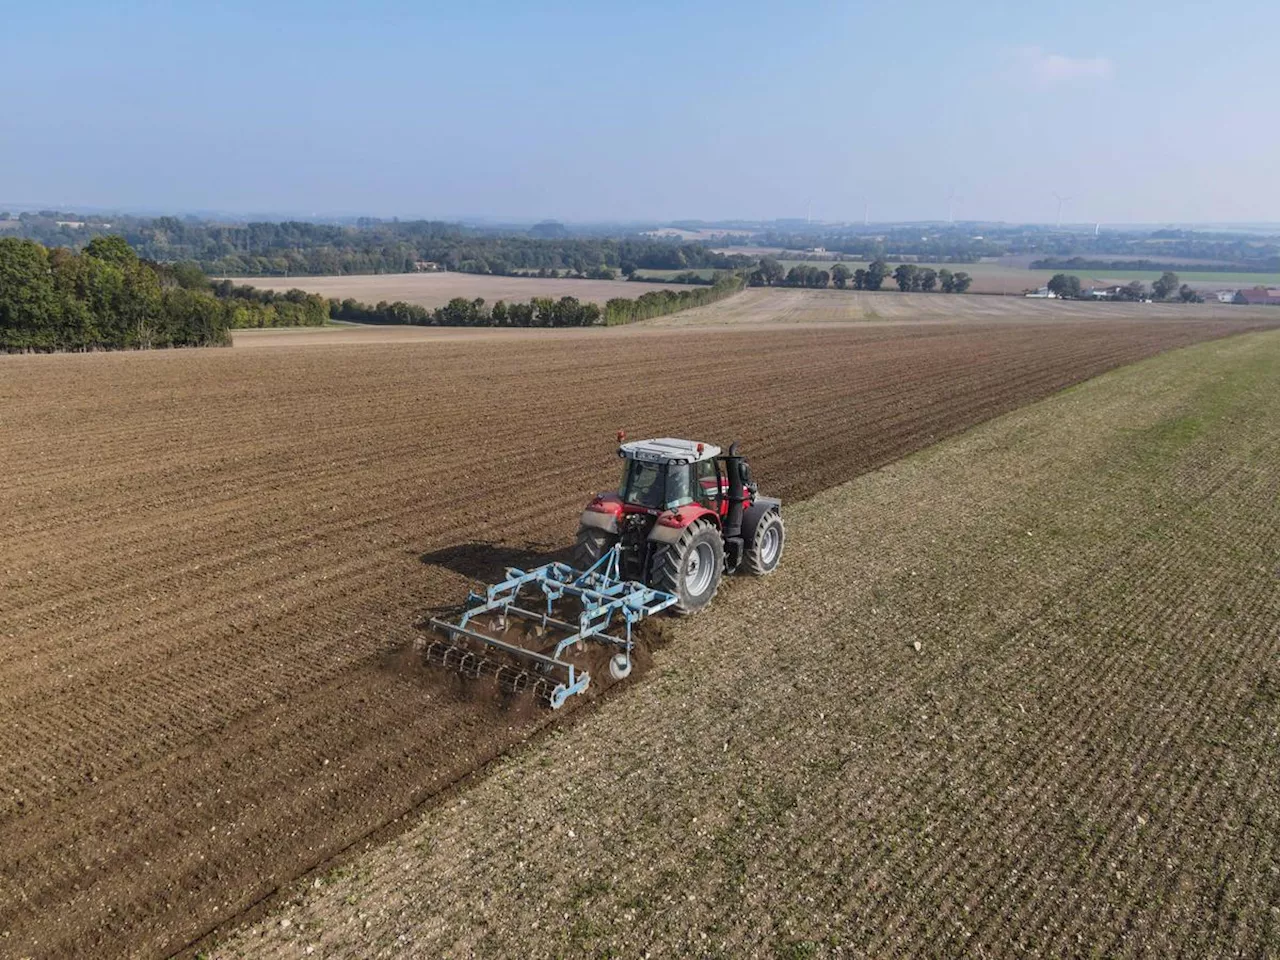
<point x="1259" y="295"/>
<point x="1044" y="293"/>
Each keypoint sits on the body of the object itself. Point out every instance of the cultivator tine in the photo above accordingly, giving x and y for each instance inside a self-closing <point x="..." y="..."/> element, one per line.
<point x="604" y="601"/>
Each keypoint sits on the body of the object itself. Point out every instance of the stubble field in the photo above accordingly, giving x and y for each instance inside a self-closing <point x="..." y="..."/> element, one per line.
<point x="436" y="289"/>
<point x="777" y="306"/>
<point x="213" y="562"/>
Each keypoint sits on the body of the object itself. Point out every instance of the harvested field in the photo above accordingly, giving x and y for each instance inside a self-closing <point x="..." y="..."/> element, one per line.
<point x="1011" y="276"/>
<point x="1017" y="695"/>
<point x="436" y="289"/>
<point x="211" y="559"/>
<point x="782" y="305"/>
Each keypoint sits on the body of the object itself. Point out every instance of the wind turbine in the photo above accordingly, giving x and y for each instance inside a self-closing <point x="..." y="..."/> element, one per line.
<point x="951" y="205"/>
<point x="866" y="212"/>
<point x="1061" y="201"/>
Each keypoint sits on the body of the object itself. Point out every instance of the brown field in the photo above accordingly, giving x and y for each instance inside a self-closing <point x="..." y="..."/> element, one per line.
<point x="436" y="289"/>
<point x="212" y="559"/>
<point x="1080" y="759"/>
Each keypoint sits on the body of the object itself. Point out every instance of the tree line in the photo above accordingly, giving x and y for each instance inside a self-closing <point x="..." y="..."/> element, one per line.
<point x="908" y="276"/>
<point x="373" y="246"/>
<point x="538" y="312"/>
<point x="1167" y="287"/>
<point x="107" y="297"/>
<point x="1270" y="265"/>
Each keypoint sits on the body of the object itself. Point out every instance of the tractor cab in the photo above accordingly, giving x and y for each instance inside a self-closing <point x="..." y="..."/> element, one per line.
<point x="667" y="474"/>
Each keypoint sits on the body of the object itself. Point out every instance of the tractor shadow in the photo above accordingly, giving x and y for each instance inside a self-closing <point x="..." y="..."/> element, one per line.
<point x="488" y="562"/>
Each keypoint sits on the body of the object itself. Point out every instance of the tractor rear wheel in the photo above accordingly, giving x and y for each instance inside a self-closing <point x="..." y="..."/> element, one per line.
<point x="691" y="567"/>
<point x="593" y="543"/>
<point x="765" y="549"/>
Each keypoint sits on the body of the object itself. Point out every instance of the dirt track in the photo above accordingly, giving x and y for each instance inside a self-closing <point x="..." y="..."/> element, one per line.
<point x="211" y="557"/>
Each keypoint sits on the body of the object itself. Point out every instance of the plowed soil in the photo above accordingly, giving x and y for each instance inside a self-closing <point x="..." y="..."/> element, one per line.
<point x="213" y="561"/>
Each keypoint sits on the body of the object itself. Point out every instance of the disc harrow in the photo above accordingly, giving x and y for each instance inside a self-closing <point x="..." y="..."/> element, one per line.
<point x="607" y="608"/>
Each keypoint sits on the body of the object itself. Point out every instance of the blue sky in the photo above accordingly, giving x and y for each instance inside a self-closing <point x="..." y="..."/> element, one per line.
<point x="1137" y="111"/>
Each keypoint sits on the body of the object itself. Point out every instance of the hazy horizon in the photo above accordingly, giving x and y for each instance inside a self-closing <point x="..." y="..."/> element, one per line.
<point x="1147" y="115"/>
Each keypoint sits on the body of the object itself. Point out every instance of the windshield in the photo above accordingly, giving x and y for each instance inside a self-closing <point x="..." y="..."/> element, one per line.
<point x="657" y="486"/>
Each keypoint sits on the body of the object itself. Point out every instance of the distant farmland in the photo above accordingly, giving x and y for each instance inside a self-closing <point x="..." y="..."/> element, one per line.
<point x="1013" y="278"/>
<point x="793" y="305"/>
<point x="436" y="289"/>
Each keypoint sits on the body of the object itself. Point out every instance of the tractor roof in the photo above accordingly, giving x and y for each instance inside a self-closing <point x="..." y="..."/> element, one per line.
<point x="668" y="450"/>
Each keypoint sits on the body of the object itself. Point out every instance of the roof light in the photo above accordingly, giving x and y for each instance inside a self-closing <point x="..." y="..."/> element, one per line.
<point x="622" y="435"/>
<point x="699" y="448"/>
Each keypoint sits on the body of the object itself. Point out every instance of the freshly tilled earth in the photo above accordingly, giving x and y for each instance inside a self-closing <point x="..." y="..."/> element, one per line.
<point x="1016" y="695"/>
<point x="213" y="562"/>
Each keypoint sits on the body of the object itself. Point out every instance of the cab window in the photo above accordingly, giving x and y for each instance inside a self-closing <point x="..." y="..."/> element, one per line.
<point x="642" y="484"/>
<point x="679" y="488"/>
<point x="707" y="483"/>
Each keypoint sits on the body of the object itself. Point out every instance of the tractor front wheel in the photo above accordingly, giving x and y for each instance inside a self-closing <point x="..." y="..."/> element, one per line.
<point x="691" y="567"/>
<point x="593" y="543"/>
<point x="765" y="549"/>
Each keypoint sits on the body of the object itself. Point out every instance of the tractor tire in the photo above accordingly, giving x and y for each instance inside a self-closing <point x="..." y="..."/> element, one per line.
<point x="593" y="543"/>
<point x="765" y="549"/>
<point x="691" y="567"/>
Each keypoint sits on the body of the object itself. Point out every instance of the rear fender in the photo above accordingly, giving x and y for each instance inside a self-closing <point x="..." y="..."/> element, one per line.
<point x="672" y="524"/>
<point x="603" y="513"/>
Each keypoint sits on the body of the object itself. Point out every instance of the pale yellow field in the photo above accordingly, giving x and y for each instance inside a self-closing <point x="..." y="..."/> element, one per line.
<point x="436" y="289"/>
<point x="787" y="305"/>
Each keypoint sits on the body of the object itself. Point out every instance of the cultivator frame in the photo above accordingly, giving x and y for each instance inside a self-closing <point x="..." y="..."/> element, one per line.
<point x="605" y="599"/>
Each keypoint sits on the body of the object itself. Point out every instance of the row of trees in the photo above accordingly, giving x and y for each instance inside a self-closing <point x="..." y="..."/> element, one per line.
<point x="926" y="280"/>
<point x="908" y="276"/>
<point x="538" y="312"/>
<point x="106" y="298"/>
<point x="1167" y="287"/>
<point x="1101" y="266"/>
<point x="658" y="303"/>
<point x="461" y="312"/>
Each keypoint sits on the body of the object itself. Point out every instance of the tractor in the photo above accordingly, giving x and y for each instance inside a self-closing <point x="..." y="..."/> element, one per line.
<point x="684" y="515"/>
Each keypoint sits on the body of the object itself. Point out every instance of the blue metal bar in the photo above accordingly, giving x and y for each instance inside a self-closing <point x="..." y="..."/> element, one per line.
<point x="600" y="591"/>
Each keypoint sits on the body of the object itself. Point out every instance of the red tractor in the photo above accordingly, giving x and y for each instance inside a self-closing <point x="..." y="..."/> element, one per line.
<point x="684" y="514"/>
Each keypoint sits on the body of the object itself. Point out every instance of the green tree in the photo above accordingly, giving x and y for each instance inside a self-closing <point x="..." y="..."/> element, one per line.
<point x="1065" y="285"/>
<point x="29" y="304"/>
<point x="946" y="280"/>
<point x="840" y="275"/>
<point x="961" y="281"/>
<point x="905" y="275"/>
<point x="772" y="271"/>
<point x="859" y="279"/>
<point x="111" y="249"/>
<point x="877" y="270"/>
<point x="928" y="279"/>
<point x="1165" y="287"/>
<point x="1188" y="295"/>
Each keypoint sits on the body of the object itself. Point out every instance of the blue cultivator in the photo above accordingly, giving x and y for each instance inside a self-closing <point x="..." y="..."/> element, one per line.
<point x="604" y="601"/>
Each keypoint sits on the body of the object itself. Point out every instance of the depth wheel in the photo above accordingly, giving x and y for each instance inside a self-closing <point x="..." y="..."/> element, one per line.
<point x="619" y="666"/>
<point x="691" y="567"/>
